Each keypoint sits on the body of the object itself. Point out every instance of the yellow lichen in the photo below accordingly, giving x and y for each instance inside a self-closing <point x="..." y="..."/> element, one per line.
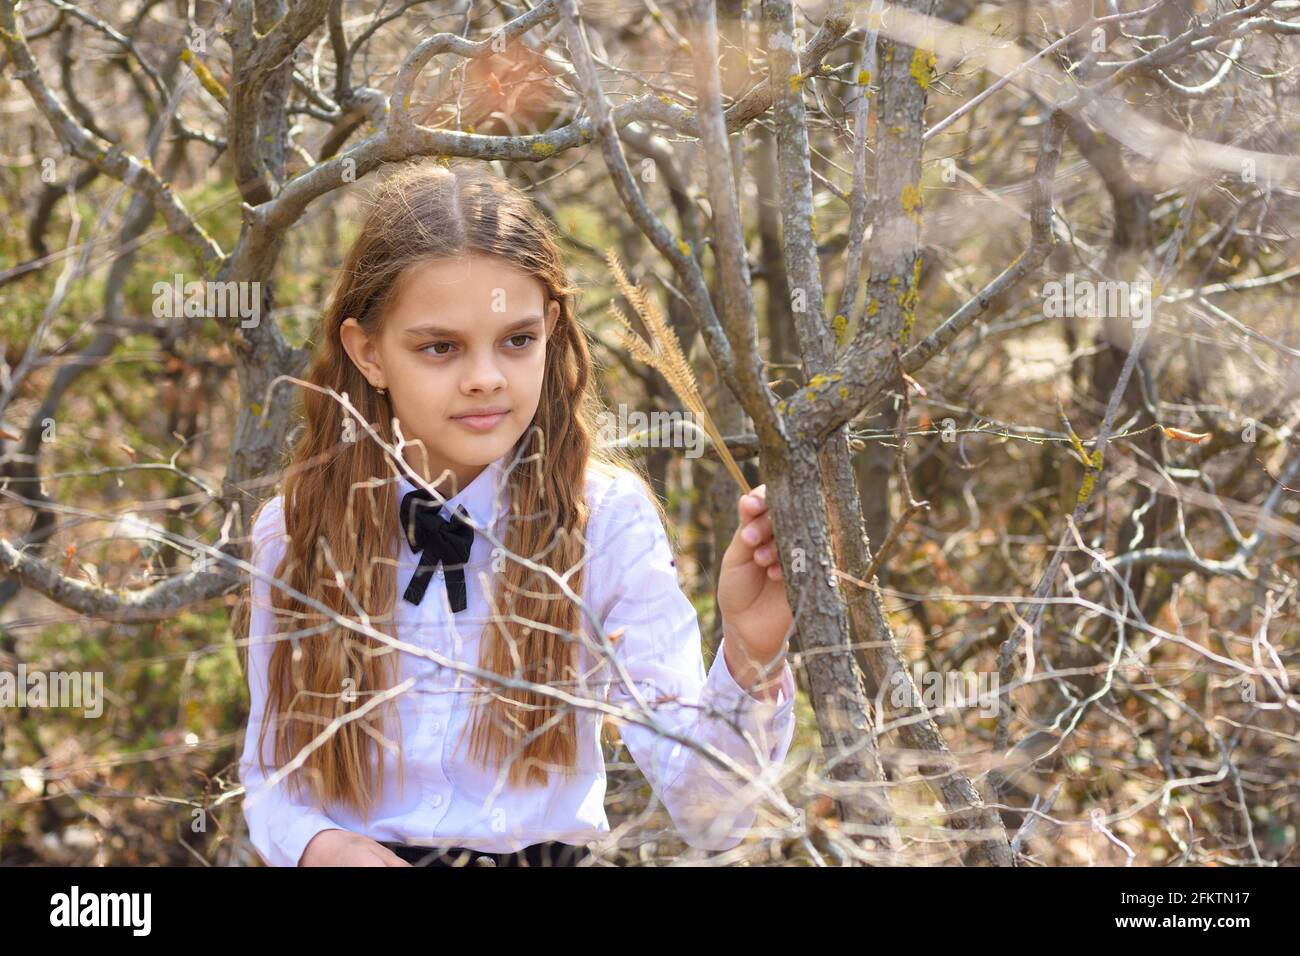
<point x="683" y="247"/>
<point x="796" y="83"/>
<point x="841" y="326"/>
<point x="907" y="301"/>
<point x="1092" y="463"/>
<point x="820" y="379"/>
<point x="543" y="149"/>
<point x="1089" y="483"/>
<point x="205" y="77"/>
<point x="922" y="65"/>
<point x="864" y="77"/>
<point x="910" y="197"/>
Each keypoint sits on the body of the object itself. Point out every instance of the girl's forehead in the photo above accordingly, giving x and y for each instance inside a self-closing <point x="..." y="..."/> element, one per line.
<point x="467" y="279"/>
<point x="443" y="298"/>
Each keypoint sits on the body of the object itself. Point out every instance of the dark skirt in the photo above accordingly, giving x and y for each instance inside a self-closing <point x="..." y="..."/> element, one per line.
<point x="550" y="853"/>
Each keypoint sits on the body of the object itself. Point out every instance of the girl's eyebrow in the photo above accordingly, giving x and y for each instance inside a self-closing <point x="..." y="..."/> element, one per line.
<point x="419" y="331"/>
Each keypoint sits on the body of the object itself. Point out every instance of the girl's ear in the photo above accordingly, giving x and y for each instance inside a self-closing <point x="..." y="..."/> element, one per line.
<point x="552" y="316"/>
<point x="362" y="351"/>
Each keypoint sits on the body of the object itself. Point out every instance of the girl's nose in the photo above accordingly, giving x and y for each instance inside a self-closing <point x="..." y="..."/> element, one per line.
<point x="484" y="375"/>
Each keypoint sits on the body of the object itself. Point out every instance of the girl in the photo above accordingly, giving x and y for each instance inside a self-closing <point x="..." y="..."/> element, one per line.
<point x="456" y="577"/>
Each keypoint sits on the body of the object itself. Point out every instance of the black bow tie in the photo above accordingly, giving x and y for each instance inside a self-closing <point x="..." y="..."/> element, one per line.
<point x="448" y="542"/>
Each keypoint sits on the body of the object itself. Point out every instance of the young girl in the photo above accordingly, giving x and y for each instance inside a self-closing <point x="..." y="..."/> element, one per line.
<point x="455" y="577"/>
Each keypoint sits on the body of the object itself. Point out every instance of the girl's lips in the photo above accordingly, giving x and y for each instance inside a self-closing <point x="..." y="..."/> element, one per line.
<point x="481" y="423"/>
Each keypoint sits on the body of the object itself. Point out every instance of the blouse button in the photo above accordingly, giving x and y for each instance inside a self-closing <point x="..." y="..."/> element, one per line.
<point x="436" y="800"/>
<point x="435" y="728"/>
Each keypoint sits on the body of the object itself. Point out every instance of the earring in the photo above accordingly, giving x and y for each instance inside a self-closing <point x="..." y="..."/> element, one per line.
<point x="383" y="391"/>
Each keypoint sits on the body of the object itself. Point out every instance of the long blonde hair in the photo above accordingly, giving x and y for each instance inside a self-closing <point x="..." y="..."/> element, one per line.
<point x="427" y="211"/>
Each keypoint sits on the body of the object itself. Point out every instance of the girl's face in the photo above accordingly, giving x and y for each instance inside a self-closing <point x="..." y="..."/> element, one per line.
<point x="462" y="354"/>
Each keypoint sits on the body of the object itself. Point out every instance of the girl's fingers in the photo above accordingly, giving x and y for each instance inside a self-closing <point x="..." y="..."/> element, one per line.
<point x="753" y="504"/>
<point x="757" y="531"/>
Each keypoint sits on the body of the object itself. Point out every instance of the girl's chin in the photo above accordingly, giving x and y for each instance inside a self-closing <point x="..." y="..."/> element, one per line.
<point x="484" y="447"/>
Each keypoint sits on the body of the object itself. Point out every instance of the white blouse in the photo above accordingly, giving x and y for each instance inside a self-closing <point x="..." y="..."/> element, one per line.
<point x="629" y="582"/>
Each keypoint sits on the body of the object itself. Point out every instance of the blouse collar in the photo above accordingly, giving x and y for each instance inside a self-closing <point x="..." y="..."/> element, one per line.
<point x="484" y="498"/>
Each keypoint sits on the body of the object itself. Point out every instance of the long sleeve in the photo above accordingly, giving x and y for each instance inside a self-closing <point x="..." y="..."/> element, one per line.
<point x="711" y="806"/>
<point x="280" y="825"/>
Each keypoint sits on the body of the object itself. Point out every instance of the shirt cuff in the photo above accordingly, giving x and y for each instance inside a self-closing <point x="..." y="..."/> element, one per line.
<point x="727" y="695"/>
<point x="299" y="834"/>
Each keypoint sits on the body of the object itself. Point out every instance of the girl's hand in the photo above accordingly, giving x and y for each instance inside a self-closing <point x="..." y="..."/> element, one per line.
<point x="345" y="848"/>
<point x="755" y="612"/>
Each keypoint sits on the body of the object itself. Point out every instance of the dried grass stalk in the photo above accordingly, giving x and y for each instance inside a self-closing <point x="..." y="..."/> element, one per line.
<point x="666" y="356"/>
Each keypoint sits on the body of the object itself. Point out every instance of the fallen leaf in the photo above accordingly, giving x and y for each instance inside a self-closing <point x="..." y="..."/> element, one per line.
<point x="1177" y="434"/>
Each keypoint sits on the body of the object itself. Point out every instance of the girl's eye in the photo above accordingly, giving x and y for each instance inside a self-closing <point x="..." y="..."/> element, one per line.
<point x="522" y="335"/>
<point x="434" y="346"/>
